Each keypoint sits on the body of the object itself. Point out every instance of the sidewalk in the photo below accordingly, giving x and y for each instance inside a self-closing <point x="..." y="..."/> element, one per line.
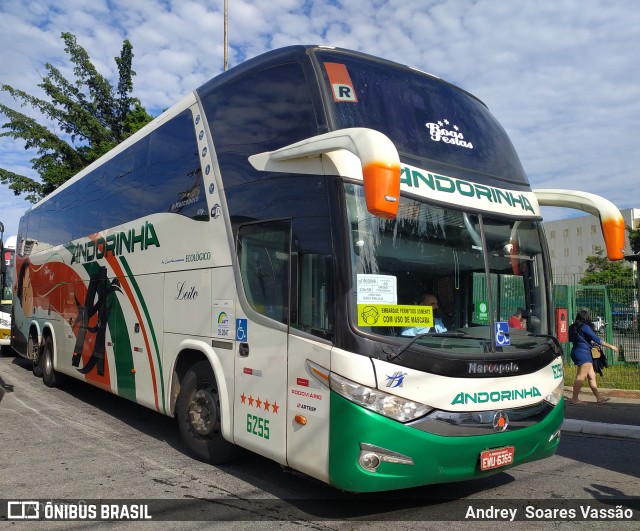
<point x="619" y="417"/>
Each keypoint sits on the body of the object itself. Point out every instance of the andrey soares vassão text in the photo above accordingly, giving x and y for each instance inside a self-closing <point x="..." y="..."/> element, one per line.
<point x="530" y="512"/>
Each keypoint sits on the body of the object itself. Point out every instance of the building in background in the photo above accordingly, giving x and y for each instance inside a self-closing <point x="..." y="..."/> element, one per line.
<point x="572" y="240"/>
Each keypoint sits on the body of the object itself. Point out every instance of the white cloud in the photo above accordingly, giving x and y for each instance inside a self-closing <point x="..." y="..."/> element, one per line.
<point x="562" y="77"/>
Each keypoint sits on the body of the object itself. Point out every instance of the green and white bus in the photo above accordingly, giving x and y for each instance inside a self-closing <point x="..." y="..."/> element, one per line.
<point x="252" y="263"/>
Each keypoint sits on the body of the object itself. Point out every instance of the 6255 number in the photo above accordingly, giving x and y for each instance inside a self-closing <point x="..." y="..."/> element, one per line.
<point x="258" y="426"/>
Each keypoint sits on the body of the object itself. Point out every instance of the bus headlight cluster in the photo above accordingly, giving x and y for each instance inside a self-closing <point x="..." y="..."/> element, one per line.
<point x="555" y="396"/>
<point x="391" y="406"/>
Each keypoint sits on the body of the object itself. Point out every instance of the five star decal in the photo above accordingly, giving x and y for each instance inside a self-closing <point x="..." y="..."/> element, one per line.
<point x="263" y="405"/>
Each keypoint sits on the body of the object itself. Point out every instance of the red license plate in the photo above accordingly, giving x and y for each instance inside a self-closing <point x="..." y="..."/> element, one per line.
<point x="490" y="459"/>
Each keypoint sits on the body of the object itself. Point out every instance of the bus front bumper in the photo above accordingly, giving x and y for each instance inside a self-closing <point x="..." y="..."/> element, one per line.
<point x="436" y="458"/>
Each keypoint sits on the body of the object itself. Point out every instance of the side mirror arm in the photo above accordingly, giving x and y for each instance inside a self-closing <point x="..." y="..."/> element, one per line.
<point x="611" y="221"/>
<point x="379" y="161"/>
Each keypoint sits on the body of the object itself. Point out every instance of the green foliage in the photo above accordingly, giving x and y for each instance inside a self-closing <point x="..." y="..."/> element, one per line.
<point x="603" y="272"/>
<point x="634" y="239"/>
<point x="615" y="275"/>
<point x="92" y="116"/>
<point x="618" y="376"/>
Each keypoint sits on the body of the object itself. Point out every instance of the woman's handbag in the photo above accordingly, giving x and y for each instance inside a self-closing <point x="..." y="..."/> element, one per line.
<point x="596" y="352"/>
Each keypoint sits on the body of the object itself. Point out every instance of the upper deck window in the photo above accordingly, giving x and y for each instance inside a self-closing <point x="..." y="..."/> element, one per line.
<point x="425" y="117"/>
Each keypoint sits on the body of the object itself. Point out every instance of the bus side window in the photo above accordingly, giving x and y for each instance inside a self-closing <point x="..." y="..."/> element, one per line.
<point x="312" y="300"/>
<point x="159" y="173"/>
<point x="174" y="180"/>
<point x="263" y="256"/>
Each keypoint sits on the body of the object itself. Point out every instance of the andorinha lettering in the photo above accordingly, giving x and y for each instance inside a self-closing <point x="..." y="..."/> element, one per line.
<point x="495" y="396"/>
<point x="116" y="244"/>
<point x="440" y="183"/>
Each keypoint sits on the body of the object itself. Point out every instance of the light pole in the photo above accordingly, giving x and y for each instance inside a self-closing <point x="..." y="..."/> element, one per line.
<point x="226" y="35"/>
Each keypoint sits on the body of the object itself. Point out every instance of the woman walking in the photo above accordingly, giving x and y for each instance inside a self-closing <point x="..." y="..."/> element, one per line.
<point x="581" y="334"/>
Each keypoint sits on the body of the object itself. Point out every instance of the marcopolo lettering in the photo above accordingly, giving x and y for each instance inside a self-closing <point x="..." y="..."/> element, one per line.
<point x="495" y="396"/>
<point x="115" y="244"/>
<point x="493" y="368"/>
<point x="440" y="183"/>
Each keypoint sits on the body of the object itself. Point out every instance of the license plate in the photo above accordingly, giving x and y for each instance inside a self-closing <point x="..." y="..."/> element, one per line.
<point x="490" y="459"/>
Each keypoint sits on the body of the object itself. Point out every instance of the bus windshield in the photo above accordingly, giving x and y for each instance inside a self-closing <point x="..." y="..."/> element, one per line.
<point x="439" y="125"/>
<point x="475" y="270"/>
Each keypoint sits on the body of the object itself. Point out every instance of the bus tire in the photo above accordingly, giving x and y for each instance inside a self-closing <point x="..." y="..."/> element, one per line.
<point x="50" y="376"/>
<point x="32" y="351"/>
<point x="198" y="416"/>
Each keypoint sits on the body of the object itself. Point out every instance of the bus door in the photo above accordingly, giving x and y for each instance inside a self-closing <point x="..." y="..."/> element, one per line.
<point x="261" y="339"/>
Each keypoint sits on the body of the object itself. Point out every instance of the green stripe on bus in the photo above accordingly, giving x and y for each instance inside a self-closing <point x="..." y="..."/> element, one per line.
<point x="125" y="379"/>
<point x="122" y="349"/>
<point x="132" y="279"/>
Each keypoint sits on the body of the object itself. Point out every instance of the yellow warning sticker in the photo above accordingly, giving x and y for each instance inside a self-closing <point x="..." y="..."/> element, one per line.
<point x="394" y="315"/>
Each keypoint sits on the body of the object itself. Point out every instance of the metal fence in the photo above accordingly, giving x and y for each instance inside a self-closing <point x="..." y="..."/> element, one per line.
<point x="614" y="312"/>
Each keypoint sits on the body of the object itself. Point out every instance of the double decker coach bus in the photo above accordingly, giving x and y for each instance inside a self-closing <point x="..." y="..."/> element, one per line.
<point x="254" y="263"/>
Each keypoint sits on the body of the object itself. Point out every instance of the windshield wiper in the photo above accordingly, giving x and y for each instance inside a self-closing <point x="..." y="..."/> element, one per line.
<point x="556" y="344"/>
<point x="393" y="355"/>
<point x="449" y="333"/>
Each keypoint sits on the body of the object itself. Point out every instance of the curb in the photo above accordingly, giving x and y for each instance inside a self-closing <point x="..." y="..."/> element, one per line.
<point x="616" y="393"/>
<point x="601" y="428"/>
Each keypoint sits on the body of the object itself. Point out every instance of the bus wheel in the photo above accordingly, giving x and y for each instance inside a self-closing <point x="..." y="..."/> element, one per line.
<point x="32" y="351"/>
<point x="50" y="377"/>
<point x="198" y="416"/>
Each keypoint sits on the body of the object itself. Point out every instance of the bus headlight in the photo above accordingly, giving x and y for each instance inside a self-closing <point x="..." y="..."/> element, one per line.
<point x="555" y="396"/>
<point x="391" y="406"/>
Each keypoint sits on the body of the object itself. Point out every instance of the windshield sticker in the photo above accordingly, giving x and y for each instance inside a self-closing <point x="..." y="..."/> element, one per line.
<point x="482" y="312"/>
<point x="502" y="334"/>
<point x="377" y="289"/>
<point x="439" y="132"/>
<point x="341" y="84"/>
<point x="398" y="315"/>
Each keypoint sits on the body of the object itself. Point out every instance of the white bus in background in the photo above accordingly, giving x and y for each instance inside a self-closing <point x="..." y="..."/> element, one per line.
<point x="7" y="255"/>
<point x="252" y="263"/>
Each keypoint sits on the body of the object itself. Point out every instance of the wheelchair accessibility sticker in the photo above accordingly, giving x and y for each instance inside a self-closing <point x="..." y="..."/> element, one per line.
<point x="502" y="334"/>
<point x="241" y="330"/>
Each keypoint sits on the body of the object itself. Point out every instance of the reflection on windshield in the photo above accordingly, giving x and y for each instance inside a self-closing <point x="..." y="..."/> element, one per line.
<point x="425" y="274"/>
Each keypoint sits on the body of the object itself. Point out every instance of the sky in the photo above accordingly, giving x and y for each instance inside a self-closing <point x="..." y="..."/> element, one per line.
<point x="562" y="76"/>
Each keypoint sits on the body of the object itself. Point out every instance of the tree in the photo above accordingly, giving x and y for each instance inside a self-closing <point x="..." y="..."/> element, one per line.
<point x="92" y="116"/>
<point x="634" y="239"/>
<point x="600" y="270"/>
<point x="615" y="275"/>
